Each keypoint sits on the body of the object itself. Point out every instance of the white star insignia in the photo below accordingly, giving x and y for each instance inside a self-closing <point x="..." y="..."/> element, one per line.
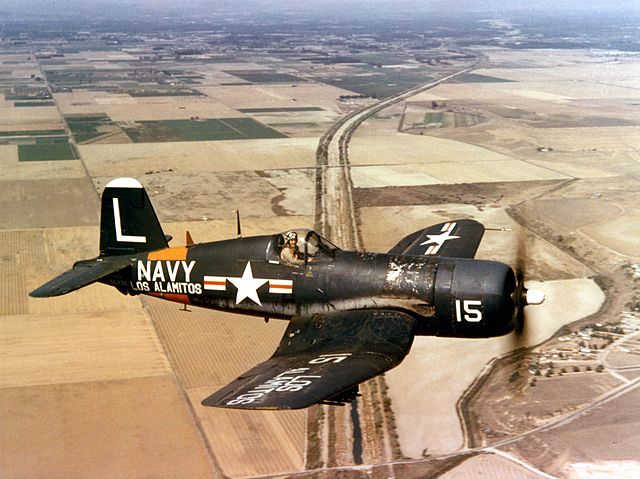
<point x="438" y="240"/>
<point x="247" y="285"/>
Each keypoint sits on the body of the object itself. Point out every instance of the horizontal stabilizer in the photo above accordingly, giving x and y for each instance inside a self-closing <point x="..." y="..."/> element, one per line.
<point x="82" y="274"/>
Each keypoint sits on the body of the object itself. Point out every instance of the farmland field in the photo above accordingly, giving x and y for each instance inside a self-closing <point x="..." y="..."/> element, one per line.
<point x="200" y="130"/>
<point x="31" y="133"/>
<point x="23" y="104"/>
<point x="378" y="82"/>
<point x="47" y="152"/>
<point x="477" y="78"/>
<point x="90" y="127"/>
<point x="265" y="77"/>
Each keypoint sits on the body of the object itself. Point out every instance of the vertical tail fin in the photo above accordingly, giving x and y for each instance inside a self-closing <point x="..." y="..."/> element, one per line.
<point x="128" y="223"/>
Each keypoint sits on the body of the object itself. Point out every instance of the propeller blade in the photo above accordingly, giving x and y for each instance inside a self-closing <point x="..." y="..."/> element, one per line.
<point x="522" y="296"/>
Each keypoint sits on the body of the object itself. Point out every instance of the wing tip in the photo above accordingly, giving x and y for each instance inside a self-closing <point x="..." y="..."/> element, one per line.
<point x="39" y="293"/>
<point x="209" y="402"/>
<point x="124" y="183"/>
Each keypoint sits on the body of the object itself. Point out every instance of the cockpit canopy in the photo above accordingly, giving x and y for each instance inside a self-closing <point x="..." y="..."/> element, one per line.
<point x="299" y="247"/>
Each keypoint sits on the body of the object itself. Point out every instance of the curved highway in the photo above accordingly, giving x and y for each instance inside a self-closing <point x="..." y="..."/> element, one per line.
<point x="335" y="213"/>
<point x="336" y="219"/>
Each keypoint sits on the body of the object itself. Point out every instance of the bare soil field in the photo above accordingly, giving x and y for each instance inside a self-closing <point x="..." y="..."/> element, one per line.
<point x="47" y="203"/>
<point x="195" y="157"/>
<point x="402" y="148"/>
<point x="120" y="428"/>
<point x="479" y="195"/>
<point x="588" y="164"/>
<point x="575" y="213"/>
<point x="490" y="465"/>
<point x="125" y="108"/>
<point x="253" y="443"/>
<point x="393" y="176"/>
<point x="30" y="118"/>
<point x="625" y="241"/>
<point x="29" y="122"/>
<point x="208" y="349"/>
<point x="454" y="172"/>
<point x="590" y="237"/>
<point x="217" y="195"/>
<point x="88" y="347"/>
<point x="84" y="378"/>
<point x="213" y="230"/>
<point x="559" y="394"/>
<point x="509" y="405"/>
<point x="612" y="444"/>
<point x="277" y="95"/>
<point x="620" y="359"/>
<point x="211" y="348"/>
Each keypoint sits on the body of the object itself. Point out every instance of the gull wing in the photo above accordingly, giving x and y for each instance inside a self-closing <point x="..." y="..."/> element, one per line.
<point x="322" y="359"/>
<point x="453" y="239"/>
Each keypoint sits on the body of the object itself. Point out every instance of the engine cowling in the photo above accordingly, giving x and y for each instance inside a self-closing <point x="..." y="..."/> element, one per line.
<point x="474" y="298"/>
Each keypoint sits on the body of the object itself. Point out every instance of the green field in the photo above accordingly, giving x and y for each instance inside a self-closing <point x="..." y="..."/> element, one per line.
<point x="446" y="119"/>
<point x="76" y="78"/>
<point x="50" y="140"/>
<point x="46" y="152"/>
<point x="32" y="133"/>
<point x="19" y="104"/>
<point x="379" y="82"/>
<point x="42" y="94"/>
<point x="210" y="129"/>
<point x="476" y="78"/>
<point x="88" y="127"/>
<point x="265" y="77"/>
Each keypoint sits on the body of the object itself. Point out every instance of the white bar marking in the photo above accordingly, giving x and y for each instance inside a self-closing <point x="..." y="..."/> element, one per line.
<point x="119" y="236"/>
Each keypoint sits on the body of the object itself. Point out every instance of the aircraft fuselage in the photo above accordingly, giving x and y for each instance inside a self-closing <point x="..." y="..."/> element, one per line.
<point x="243" y="276"/>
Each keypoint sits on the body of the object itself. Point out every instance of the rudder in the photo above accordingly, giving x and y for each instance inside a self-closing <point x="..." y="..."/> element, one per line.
<point x="128" y="223"/>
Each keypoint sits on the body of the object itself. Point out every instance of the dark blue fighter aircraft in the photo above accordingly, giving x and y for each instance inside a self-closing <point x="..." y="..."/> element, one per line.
<point x="351" y="315"/>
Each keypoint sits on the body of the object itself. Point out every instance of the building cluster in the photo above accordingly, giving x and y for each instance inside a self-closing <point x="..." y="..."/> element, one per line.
<point x="581" y="351"/>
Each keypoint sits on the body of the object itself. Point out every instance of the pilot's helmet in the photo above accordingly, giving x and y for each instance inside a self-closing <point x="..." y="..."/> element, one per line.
<point x="291" y="235"/>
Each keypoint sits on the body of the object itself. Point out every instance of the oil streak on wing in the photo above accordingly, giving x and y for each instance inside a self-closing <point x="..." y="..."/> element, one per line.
<point x="453" y="239"/>
<point x="321" y="358"/>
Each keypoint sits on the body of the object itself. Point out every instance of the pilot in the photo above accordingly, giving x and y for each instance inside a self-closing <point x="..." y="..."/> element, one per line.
<point x="290" y="252"/>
